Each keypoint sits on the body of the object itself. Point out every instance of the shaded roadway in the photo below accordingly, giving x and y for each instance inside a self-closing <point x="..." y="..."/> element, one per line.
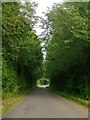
<point x="42" y="103"/>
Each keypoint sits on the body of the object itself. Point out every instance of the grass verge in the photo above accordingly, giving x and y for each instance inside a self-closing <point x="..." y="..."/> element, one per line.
<point x="11" y="102"/>
<point x="71" y="97"/>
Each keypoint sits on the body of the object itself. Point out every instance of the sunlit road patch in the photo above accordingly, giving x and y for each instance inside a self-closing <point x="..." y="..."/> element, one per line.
<point x="42" y="86"/>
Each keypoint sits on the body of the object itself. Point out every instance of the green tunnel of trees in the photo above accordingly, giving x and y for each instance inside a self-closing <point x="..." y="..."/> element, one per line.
<point x="67" y="44"/>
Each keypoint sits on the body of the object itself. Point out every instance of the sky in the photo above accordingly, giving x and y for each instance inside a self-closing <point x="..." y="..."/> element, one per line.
<point x="43" y="4"/>
<point x="42" y="7"/>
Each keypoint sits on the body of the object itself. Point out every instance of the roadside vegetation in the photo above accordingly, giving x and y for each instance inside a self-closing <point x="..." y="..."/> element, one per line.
<point x="22" y="52"/>
<point x="68" y="49"/>
<point x="71" y="97"/>
<point x="13" y="100"/>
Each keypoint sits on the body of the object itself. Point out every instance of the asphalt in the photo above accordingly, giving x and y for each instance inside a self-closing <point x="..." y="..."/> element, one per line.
<point x="42" y="103"/>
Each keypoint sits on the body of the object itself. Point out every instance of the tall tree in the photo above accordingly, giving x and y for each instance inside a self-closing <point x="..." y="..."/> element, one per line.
<point x="22" y="52"/>
<point x="67" y="60"/>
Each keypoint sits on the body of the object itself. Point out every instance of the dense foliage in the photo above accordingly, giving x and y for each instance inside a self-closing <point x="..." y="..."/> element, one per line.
<point x="43" y="81"/>
<point x="68" y="50"/>
<point x="22" y="52"/>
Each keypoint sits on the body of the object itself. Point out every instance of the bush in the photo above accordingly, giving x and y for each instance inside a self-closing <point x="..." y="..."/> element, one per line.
<point x="43" y="81"/>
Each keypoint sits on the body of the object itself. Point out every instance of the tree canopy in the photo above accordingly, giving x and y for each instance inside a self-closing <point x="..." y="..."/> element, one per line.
<point x="22" y="51"/>
<point x="68" y="49"/>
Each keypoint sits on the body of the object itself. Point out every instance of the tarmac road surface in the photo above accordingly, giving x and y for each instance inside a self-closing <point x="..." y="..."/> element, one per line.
<point x="41" y="103"/>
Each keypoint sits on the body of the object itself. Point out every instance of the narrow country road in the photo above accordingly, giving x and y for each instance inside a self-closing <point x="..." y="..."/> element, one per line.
<point x="42" y="103"/>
